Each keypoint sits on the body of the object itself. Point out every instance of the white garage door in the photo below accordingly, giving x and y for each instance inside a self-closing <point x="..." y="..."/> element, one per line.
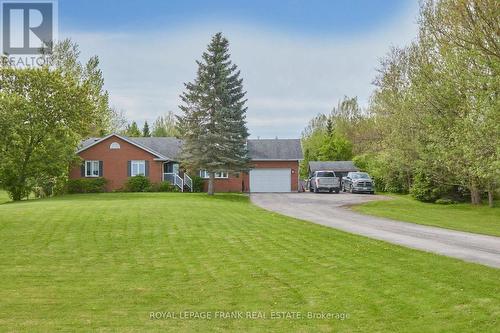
<point x="270" y="180"/>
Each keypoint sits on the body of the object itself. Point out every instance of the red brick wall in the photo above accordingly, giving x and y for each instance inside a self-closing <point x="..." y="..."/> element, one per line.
<point x="236" y="184"/>
<point x="115" y="162"/>
<point x="231" y="184"/>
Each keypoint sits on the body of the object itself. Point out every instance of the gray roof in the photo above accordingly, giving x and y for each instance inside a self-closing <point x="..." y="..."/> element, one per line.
<point x="275" y="149"/>
<point x="168" y="147"/>
<point x="262" y="149"/>
<point x="339" y="166"/>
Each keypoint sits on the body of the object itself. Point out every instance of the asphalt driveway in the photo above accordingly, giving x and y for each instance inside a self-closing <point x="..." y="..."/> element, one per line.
<point x="330" y="210"/>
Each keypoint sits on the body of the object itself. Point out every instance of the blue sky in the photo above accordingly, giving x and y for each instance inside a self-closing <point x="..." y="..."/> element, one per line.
<point x="311" y="17"/>
<point x="297" y="58"/>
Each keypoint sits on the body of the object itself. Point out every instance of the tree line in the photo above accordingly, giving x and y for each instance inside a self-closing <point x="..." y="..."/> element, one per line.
<point x="165" y="125"/>
<point x="432" y="127"/>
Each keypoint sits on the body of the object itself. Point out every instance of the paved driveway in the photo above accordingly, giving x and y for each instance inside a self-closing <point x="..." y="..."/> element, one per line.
<point x="329" y="210"/>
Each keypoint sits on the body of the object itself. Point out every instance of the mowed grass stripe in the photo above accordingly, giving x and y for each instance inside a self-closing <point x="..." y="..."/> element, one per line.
<point x="463" y="217"/>
<point x="105" y="261"/>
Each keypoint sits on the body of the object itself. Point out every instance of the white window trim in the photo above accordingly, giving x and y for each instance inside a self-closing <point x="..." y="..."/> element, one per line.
<point x="92" y="163"/>
<point x="114" y="145"/>
<point x="218" y="175"/>
<point x="138" y="163"/>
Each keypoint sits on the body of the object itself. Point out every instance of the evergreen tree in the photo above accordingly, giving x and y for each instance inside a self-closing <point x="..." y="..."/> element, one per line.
<point x="145" y="130"/>
<point x="133" y="130"/>
<point x="213" y="122"/>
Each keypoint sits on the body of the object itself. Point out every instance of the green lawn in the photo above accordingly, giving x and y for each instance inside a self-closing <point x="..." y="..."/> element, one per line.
<point x="465" y="217"/>
<point x="88" y="262"/>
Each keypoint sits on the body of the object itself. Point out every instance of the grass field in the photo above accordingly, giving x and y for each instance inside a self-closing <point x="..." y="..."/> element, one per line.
<point x="105" y="262"/>
<point x="464" y="217"/>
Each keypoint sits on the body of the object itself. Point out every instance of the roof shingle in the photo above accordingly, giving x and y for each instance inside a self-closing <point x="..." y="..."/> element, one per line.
<point x="339" y="166"/>
<point x="261" y="149"/>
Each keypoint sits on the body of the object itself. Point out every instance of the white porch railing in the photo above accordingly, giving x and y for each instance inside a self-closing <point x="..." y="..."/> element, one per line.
<point x="174" y="179"/>
<point x="179" y="182"/>
<point x="188" y="182"/>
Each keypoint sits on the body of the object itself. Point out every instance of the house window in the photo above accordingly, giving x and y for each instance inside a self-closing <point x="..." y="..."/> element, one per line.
<point x="171" y="168"/>
<point x="137" y="168"/>
<point x="222" y="174"/>
<point x="92" y="169"/>
<point x="114" y="145"/>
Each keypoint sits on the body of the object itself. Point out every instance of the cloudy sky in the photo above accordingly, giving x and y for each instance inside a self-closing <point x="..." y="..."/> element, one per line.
<point x="297" y="58"/>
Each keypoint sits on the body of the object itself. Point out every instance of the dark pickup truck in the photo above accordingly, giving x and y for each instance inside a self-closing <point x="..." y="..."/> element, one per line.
<point x="358" y="182"/>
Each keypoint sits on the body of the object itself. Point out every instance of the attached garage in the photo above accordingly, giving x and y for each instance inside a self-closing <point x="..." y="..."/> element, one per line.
<point x="270" y="180"/>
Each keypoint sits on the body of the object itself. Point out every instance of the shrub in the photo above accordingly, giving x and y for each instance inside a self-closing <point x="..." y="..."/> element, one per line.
<point x="138" y="184"/>
<point x="386" y="178"/>
<point x="86" y="185"/>
<point x="198" y="184"/>
<point x="444" y="201"/>
<point x="46" y="187"/>
<point x="163" y="187"/>
<point x="425" y="189"/>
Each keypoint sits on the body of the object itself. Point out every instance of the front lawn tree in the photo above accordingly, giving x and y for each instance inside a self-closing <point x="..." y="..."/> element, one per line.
<point x="44" y="115"/>
<point x="213" y="123"/>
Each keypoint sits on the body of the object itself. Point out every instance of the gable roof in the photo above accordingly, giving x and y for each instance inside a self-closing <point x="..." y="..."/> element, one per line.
<point x="275" y="149"/>
<point x="169" y="148"/>
<point x="86" y="144"/>
<point x="339" y="166"/>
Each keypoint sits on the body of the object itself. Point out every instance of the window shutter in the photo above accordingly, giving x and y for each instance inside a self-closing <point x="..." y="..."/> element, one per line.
<point x="82" y="169"/>
<point x="146" y="168"/>
<point x="129" y="168"/>
<point x="101" y="168"/>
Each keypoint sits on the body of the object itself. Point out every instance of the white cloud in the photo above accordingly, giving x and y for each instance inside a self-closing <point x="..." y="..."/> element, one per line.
<point x="289" y="78"/>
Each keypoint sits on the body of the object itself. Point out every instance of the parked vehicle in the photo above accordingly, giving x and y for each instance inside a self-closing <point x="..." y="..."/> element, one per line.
<point x="358" y="182"/>
<point x="324" y="181"/>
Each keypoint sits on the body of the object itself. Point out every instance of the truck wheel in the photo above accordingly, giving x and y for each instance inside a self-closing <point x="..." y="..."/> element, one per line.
<point x="337" y="191"/>
<point x="330" y="190"/>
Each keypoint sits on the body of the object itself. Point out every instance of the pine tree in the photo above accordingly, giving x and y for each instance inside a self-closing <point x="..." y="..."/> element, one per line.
<point x="133" y="130"/>
<point x="213" y="123"/>
<point x="145" y="130"/>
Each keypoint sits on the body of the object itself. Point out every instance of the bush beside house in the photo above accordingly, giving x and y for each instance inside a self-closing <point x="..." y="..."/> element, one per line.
<point x="198" y="184"/>
<point x="137" y="184"/>
<point x="86" y="185"/>
<point x="143" y="184"/>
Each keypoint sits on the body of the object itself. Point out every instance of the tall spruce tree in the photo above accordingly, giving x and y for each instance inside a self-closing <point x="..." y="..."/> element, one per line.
<point x="213" y="123"/>
<point x="145" y="130"/>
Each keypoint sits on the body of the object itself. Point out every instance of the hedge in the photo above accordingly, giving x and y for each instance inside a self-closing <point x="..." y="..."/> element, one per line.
<point x="86" y="185"/>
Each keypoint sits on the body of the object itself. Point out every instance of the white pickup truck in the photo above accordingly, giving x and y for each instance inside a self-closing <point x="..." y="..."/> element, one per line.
<point x="324" y="181"/>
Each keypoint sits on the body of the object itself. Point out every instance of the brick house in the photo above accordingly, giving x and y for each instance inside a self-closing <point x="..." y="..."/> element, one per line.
<point x="274" y="163"/>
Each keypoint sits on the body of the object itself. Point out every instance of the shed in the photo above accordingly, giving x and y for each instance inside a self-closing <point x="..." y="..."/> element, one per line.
<point x="341" y="168"/>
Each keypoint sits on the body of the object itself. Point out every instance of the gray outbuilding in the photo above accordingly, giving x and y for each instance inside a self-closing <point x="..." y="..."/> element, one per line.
<point x="341" y="168"/>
